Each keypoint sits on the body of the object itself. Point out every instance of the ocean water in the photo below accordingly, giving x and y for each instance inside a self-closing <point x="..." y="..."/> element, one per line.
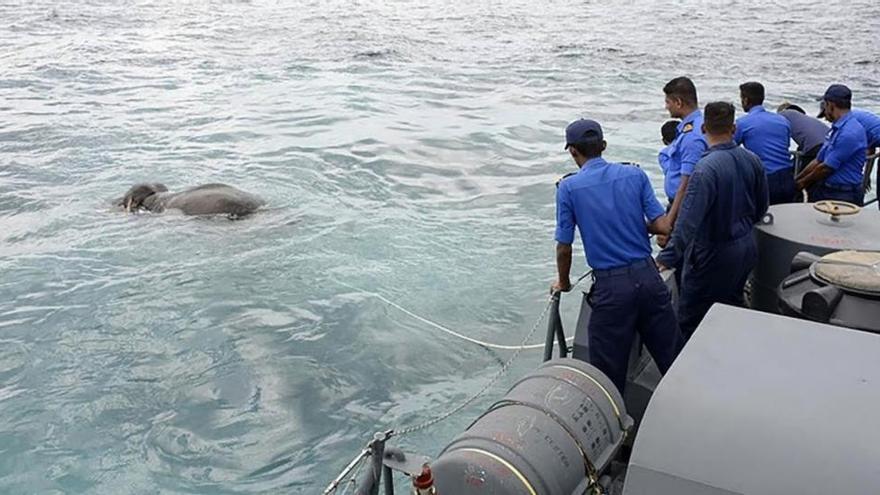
<point x="406" y="148"/>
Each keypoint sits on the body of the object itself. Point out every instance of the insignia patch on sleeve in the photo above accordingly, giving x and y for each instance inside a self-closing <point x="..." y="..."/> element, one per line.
<point x="563" y="178"/>
<point x="687" y="128"/>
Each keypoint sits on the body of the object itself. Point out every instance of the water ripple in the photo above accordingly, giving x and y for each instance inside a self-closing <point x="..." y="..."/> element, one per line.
<point x="408" y="148"/>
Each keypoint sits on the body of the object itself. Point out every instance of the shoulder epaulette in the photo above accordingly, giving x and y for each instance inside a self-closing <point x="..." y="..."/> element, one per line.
<point x="564" y="177"/>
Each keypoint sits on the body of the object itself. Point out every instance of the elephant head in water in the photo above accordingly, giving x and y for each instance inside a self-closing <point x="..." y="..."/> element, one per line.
<point x="208" y="199"/>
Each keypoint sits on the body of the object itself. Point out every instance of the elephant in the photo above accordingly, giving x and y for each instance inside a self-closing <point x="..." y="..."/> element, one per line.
<point x="207" y="199"/>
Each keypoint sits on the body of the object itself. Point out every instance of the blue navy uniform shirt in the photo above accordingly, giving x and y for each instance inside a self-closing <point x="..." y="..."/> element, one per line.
<point x="808" y="132"/>
<point x="609" y="203"/>
<point x="664" y="158"/>
<point x="766" y="135"/>
<point x="726" y="196"/>
<point x="844" y="151"/>
<point x="686" y="151"/>
<point x="871" y="123"/>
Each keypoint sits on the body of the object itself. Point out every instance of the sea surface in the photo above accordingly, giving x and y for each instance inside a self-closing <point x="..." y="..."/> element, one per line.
<point x="406" y="148"/>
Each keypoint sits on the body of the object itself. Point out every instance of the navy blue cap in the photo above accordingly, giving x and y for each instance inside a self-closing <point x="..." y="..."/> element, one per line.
<point x="836" y="93"/>
<point x="583" y="131"/>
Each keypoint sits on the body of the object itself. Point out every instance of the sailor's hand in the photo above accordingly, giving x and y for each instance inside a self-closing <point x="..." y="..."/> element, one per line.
<point x="662" y="240"/>
<point x="558" y="286"/>
<point x="660" y="266"/>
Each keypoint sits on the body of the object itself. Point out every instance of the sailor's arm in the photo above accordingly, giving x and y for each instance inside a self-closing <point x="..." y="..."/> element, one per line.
<point x="696" y="203"/>
<point x="806" y="172"/>
<point x="679" y="197"/>
<point x="565" y="222"/>
<point x="660" y="225"/>
<point x="563" y="268"/>
<point x="691" y="154"/>
<point x="658" y="220"/>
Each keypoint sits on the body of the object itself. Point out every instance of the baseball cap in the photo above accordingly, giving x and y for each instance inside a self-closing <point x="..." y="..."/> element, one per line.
<point x="836" y="93"/>
<point x="583" y="131"/>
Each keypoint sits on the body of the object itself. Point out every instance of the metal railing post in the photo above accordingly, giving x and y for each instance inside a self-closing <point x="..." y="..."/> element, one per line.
<point x="554" y="326"/>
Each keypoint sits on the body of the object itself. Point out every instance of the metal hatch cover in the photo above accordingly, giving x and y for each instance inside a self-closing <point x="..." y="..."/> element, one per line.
<point x="763" y="404"/>
<point x="801" y="223"/>
<point x="857" y="271"/>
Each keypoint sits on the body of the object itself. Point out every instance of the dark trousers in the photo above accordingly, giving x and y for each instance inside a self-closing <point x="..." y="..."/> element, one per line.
<point x="852" y="193"/>
<point x="677" y="273"/>
<point x="626" y="301"/>
<point x="781" y="186"/>
<point x="715" y="274"/>
<point x="808" y="156"/>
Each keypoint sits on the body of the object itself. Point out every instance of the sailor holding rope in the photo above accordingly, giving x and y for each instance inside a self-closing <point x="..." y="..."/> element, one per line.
<point x="613" y="207"/>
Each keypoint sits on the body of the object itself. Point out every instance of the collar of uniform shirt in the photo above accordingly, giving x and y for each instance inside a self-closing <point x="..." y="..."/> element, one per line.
<point x="593" y="162"/>
<point x="729" y="145"/>
<point x="843" y="120"/>
<point x="757" y="108"/>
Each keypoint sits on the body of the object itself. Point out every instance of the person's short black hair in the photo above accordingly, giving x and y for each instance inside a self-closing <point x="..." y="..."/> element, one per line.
<point x="753" y="92"/>
<point x="590" y="149"/>
<point x="683" y="88"/>
<point x="669" y="131"/>
<point x="796" y="109"/>
<point x="843" y="104"/>
<point x="718" y="117"/>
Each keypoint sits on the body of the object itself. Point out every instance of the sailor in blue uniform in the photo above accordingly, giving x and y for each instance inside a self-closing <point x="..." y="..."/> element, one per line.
<point x="614" y="208"/>
<point x="726" y="196"/>
<point x="688" y="147"/>
<point x="668" y="133"/>
<point x="836" y="173"/>
<point x="767" y="135"/>
<point x="871" y="123"/>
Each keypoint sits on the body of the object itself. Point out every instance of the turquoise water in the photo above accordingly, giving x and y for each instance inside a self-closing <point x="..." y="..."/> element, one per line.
<point x="407" y="148"/>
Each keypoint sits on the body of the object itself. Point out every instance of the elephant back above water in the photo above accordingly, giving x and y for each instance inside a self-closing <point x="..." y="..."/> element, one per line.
<point x="207" y="199"/>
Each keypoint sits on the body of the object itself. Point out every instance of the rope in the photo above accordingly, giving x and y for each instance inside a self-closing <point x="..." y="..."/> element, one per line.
<point x="447" y="330"/>
<point x="451" y="412"/>
<point x="427" y="424"/>
<point x="488" y="385"/>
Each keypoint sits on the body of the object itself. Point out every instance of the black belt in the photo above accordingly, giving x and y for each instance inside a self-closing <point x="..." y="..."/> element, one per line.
<point x="635" y="265"/>
<point x="843" y="187"/>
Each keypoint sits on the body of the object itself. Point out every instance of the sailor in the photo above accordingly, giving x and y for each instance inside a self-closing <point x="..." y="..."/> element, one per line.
<point x="871" y="123"/>
<point x="681" y="103"/>
<point x="668" y="133"/>
<point x="726" y="195"/>
<point x="836" y="173"/>
<point x="614" y="209"/>
<point x="808" y="133"/>
<point x="687" y="148"/>
<point x="766" y="135"/>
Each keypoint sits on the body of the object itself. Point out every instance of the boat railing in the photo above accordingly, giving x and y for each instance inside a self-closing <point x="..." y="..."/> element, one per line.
<point x="555" y="330"/>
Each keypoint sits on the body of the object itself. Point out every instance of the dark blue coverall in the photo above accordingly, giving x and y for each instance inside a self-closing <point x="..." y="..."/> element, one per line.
<point x="727" y="194"/>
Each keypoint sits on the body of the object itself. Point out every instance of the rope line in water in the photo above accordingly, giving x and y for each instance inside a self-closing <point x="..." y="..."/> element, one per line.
<point x="357" y="462"/>
<point x="501" y="372"/>
<point x="442" y="328"/>
<point x="431" y="422"/>
<point x="448" y="330"/>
